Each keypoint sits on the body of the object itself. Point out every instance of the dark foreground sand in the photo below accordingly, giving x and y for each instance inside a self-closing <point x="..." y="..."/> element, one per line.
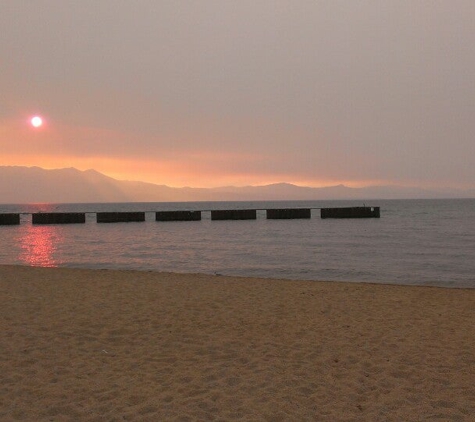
<point x="80" y="345"/>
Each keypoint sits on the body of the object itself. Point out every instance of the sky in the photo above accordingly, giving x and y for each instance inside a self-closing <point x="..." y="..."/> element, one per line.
<point x="208" y="93"/>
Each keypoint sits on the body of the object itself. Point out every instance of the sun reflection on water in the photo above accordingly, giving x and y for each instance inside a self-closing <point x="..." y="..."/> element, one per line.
<point x="39" y="244"/>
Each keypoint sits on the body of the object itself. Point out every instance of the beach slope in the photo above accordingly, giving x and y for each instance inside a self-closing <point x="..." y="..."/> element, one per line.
<point x="100" y="345"/>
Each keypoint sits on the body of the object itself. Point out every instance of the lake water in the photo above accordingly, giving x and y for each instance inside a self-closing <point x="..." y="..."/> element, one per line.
<point x="424" y="242"/>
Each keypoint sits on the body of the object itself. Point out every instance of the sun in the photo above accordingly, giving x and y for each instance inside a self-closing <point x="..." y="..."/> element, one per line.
<point x="36" y="121"/>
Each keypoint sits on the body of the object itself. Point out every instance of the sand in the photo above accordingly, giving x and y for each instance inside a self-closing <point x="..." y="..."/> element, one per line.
<point x="85" y="345"/>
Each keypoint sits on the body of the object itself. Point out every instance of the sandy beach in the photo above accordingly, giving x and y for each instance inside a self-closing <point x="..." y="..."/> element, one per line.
<point x="100" y="345"/>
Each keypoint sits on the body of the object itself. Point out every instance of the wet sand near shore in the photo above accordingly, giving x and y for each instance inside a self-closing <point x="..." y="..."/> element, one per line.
<point x="103" y="345"/>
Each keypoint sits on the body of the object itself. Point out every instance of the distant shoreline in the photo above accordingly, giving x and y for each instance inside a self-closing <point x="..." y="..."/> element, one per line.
<point x="70" y="185"/>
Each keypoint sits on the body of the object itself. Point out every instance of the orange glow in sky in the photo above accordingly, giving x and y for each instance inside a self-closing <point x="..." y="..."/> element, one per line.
<point x="206" y="96"/>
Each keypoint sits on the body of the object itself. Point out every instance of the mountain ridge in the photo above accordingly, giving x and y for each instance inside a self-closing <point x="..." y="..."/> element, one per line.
<point x="19" y="184"/>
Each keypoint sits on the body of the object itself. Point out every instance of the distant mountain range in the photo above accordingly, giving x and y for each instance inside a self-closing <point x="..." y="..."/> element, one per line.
<point x="33" y="184"/>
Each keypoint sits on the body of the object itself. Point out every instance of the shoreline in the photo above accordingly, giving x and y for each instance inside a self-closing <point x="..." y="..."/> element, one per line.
<point x="81" y="344"/>
<point x="246" y="277"/>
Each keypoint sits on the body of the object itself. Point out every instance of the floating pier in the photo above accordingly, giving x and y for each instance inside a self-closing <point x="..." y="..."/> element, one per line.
<point x="58" y="218"/>
<point x="234" y="215"/>
<point x="350" y="212"/>
<point x="288" y="213"/>
<point x="178" y="216"/>
<point x="9" y="219"/>
<point x="120" y="217"/>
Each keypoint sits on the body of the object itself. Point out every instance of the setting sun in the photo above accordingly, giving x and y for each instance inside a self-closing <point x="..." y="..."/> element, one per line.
<point x="36" y="121"/>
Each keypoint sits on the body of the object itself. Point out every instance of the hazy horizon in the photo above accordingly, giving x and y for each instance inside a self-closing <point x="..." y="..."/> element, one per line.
<point x="26" y="185"/>
<point x="214" y="93"/>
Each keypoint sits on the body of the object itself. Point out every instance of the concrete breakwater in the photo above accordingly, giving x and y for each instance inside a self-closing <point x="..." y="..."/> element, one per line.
<point x="165" y="216"/>
<point x="351" y="212"/>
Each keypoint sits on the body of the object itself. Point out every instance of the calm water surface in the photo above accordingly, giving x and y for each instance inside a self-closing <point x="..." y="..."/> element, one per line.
<point x="429" y="242"/>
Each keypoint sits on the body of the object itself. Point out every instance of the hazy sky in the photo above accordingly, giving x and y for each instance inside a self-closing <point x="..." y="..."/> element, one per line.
<point x="217" y="92"/>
